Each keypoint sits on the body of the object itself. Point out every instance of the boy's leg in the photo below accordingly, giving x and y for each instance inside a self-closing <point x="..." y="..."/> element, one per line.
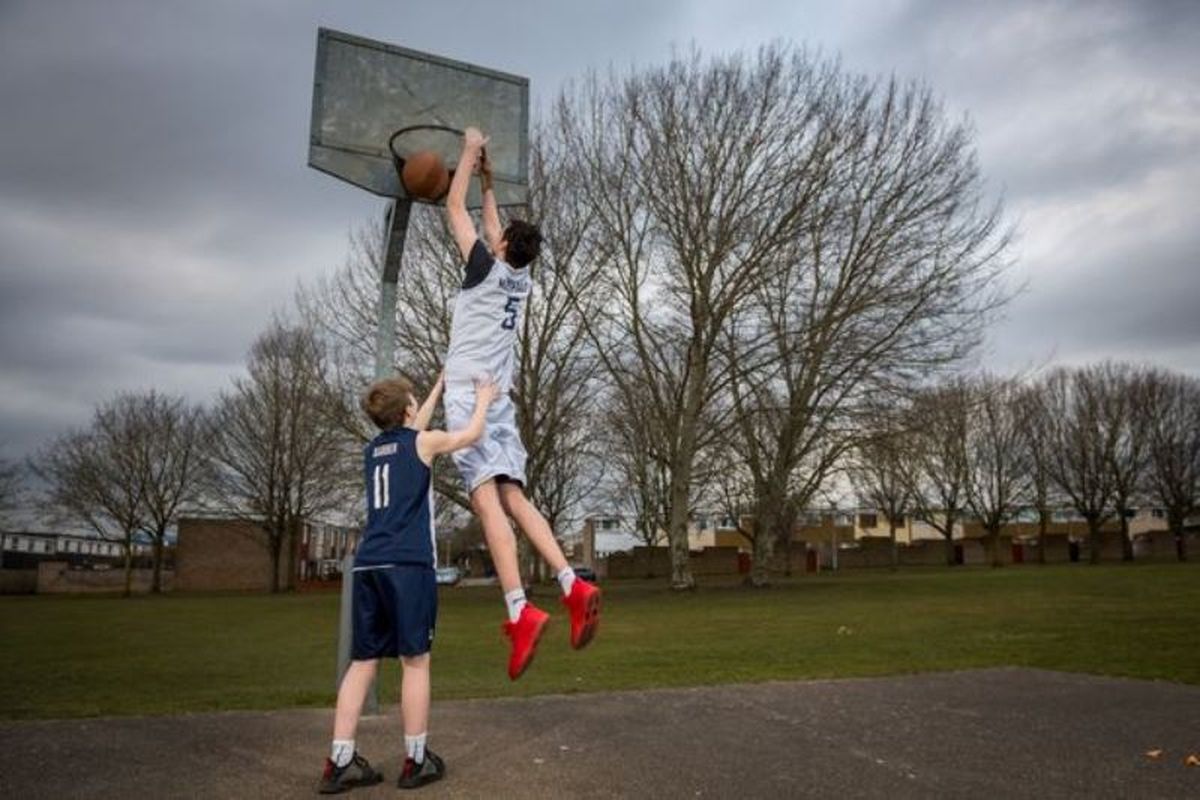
<point x="532" y="524"/>
<point x="421" y="765"/>
<point x="414" y="696"/>
<point x="485" y="501"/>
<point x="345" y="769"/>
<point x="351" y="695"/>
<point x="525" y="621"/>
<point x="581" y="599"/>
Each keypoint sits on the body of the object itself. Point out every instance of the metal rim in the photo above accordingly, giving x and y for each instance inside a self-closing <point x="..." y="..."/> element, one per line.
<point x="399" y="159"/>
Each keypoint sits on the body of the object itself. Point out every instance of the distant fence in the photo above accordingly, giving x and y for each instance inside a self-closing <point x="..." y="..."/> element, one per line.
<point x="57" y="577"/>
<point x="655" y="562"/>
<point x="18" y="581"/>
<point x="875" y="552"/>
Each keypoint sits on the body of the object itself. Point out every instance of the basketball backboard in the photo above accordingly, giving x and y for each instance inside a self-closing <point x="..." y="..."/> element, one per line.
<point x="364" y="91"/>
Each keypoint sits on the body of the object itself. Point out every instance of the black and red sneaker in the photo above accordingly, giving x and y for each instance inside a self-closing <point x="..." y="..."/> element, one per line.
<point x="583" y="603"/>
<point x="524" y="635"/>
<point x="415" y="775"/>
<point x="358" y="772"/>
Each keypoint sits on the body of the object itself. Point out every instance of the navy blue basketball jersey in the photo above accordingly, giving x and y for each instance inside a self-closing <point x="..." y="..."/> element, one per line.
<point x="399" y="503"/>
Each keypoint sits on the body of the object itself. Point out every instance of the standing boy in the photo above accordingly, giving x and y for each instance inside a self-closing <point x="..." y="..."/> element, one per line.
<point x="487" y="316"/>
<point x="395" y="591"/>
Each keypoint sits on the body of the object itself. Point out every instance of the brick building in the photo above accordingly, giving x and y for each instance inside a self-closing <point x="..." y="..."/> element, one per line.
<point x="214" y="554"/>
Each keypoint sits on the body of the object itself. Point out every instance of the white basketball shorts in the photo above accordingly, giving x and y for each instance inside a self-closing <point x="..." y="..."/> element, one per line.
<point x="499" y="451"/>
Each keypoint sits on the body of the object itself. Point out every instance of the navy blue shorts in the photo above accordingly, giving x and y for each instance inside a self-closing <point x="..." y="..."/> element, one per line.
<point x="395" y="611"/>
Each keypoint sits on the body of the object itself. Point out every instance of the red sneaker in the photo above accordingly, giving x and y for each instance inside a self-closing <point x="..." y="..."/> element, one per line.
<point x="584" y="604"/>
<point x="524" y="635"/>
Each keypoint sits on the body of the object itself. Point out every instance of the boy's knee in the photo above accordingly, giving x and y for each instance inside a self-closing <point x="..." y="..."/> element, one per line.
<point x="415" y="662"/>
<point x="512" y="496"/>
<point x="483" y="494"/>
<point x="485" y="500"/>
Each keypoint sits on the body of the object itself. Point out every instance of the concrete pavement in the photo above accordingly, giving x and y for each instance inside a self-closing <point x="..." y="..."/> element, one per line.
<point x="988" y="733"/>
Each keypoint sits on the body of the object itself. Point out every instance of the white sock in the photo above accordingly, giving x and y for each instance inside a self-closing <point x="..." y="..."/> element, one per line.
<point x="342" y="752"/>
<point x="414" y="747"/>
<point x="515" y="600"/>
<point x="566" y="579"/>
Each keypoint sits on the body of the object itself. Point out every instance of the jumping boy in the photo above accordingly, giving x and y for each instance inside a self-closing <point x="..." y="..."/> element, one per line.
<point x="395" y="593"/>
<point x="487" y="316"/>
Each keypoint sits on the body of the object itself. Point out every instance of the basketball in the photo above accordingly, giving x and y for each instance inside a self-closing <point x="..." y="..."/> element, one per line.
<point x="425" y="175"/>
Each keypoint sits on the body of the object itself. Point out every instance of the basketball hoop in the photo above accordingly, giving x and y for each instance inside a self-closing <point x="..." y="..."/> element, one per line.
<point x="398" y="158"/>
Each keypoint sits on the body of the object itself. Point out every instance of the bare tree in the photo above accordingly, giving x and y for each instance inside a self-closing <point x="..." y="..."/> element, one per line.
<point x="936" y="469"/>
<point x="735" y="500"/>
<point x="1081" y="445"/>
<point x="690" y="171"/>
<point x="1172" y="404"/>
<point x="1036" y="433"/>
<point x="768" y="225"/>
<point x="637" y="469"/>
<point x="638" y="474"/>
<point x="1126" y="421"/>
<point x="93" y="476"/>
<point x="10" y="486"/>
<point x="895" y="271"/>
<point x="877" y="470"/>
<point x="168" y="458"/>
<point x="998" y="464"/>
<point x="277" y="459"/>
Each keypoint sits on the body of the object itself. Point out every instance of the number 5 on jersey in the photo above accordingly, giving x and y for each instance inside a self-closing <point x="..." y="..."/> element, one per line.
<point x="511" y="308"/>
<point x="380" y="499"/>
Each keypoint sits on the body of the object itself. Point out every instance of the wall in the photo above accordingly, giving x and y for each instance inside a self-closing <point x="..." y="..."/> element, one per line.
<point x="655" y="562"/>
<point x="57" y="577"/>
<point x="224" y="555"/>
<point x="18" y="581"/>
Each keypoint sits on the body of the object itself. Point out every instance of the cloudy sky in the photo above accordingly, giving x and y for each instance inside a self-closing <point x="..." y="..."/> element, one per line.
<point x="155" y="206"/>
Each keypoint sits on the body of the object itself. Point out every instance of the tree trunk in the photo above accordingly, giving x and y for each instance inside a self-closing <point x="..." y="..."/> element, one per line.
<point x="764" y="552"/>
<point x="276" y="542"/>
<point x="784" y="525"/>
<point x="768" y="519"/>
<point x="949" y="538"/>
<point x="1094" y="540"/>
<point x="1176" y="525"/>
<point x="1043" y="532"/>
<point x="128" y="569"/>
<point x="1126" y="540"/>
<point x="526" y="564"/>
<point x="994" y="538"/>
<point x="677" y="535"/>
<point x="293" y="546"/>
<point x="895" y="547"/>
<point x="156" y="584"/>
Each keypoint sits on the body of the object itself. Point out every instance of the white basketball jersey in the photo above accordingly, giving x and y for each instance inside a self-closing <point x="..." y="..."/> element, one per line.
<point x="487" y="316"/>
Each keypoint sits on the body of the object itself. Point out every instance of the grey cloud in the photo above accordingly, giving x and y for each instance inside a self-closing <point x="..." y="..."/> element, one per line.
<point x="155" y="207"/>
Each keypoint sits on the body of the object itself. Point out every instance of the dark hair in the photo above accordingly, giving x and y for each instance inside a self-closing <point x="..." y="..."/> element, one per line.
<point x="524" y="243"/>
<point x="387" y="400"/>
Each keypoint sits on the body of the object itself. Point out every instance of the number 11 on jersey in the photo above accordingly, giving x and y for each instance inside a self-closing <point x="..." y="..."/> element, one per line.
<point x="381" y="498"/>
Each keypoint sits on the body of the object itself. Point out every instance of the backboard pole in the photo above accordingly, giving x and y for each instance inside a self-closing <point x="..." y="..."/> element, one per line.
<point x="385" y="332"/>
<point x="385" y="360"/>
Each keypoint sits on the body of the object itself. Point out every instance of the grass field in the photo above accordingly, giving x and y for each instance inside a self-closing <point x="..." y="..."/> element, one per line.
<point x="86" y="656"/>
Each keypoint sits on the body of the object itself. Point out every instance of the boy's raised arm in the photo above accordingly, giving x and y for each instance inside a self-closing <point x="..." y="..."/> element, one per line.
<point x="491" y="214"/>
<point x="456" y="201"/>
<point x="425" y="412"/>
